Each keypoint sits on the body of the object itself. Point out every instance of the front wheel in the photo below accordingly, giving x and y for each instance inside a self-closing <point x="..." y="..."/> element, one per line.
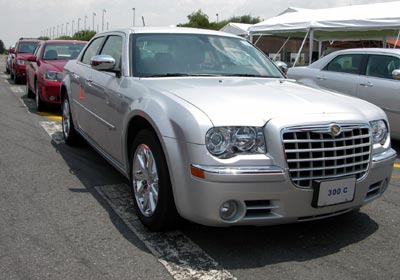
<point x="151" y="185"/>
<point x="71" y="137"/>
<point x="38" y="100"/>
<point x="28" y="91"/>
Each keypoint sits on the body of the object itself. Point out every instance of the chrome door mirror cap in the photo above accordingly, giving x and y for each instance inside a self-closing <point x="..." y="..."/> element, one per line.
<point x="396" y="74"/>
<point x="102" y="62"/>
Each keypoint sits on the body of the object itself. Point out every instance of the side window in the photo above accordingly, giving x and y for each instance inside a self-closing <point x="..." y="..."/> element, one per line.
<point x="348" y="63"/>
<point x="382" y="66"/>
<point x="92" y="50"/>
<point x="113" y="47"/>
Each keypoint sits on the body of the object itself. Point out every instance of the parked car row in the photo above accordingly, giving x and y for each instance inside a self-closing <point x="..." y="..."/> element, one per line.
<point x="369" y="74"/>
<point x="207" y="128"/>
<point x="40" y="64"/>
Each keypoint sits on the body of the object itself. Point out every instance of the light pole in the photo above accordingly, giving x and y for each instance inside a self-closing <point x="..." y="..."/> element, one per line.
<point x="54" y="32"/>
<point x="102" y="20"/>
<point x="94" y="14"/>
<point x="79" y="20"/>
<point x="66" y="29"/>
<point x="84" y="23"/>
<point x="217" y="17"/>
<point x="62" y="29"/>
<point x="57" y="30"/>
<point x="134" y="12"/>
<point x="72" y="28"/>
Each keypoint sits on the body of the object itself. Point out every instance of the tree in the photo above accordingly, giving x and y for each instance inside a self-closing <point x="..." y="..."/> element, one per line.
<point x="2" y="49"/>
<point x="84" y="35"/>
<point x="198" y="20"/>
<point x="44" y="38"/>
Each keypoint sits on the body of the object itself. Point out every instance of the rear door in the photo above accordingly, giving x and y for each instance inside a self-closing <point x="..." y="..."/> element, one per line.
<point x="379" y="87"/>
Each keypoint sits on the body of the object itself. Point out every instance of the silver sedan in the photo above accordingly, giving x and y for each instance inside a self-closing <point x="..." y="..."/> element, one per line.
<point x="369" y="74"/>
<point x="207" y="128"/>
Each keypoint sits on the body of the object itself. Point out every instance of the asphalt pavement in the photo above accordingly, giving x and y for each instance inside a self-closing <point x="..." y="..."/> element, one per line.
<point x="65" y="213"/>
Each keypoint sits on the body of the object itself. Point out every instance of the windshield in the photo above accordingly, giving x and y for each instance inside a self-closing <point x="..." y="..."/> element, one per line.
<point x="62" y="51"/>
<point x="27" y="47"/>
<point x="158" y="55"/>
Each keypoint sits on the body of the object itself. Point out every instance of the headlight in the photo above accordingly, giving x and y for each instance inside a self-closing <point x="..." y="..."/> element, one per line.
<point x="22" y="62"/>
<point x="379" y="132"/>
<point x="226" y="142"/>
<point x="53" y="76"/>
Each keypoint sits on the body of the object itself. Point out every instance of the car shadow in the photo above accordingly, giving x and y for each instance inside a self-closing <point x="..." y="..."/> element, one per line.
<point x="251" y="247"/>
<point x="234" y="247"/>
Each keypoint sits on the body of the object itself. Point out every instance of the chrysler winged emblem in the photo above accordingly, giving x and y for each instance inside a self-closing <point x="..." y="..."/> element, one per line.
<point x="335" y="130"/>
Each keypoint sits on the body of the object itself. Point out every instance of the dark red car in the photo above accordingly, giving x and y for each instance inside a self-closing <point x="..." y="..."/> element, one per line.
<point x="44" y="71"/>
<point x="24" y="48"/>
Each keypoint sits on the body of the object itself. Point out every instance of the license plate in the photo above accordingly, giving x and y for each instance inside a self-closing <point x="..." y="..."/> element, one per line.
<point x="334" y="192"/>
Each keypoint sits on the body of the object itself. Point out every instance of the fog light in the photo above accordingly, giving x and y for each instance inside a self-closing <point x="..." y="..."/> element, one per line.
<point x="228" y="210"/>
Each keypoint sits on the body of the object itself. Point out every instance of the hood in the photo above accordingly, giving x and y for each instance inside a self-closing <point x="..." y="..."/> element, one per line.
<point x="54" y="65"/>
<point x="254" y="101"/>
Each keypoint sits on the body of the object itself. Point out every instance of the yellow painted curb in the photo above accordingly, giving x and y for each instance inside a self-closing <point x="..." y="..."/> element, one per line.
<point x="50" y="116"/>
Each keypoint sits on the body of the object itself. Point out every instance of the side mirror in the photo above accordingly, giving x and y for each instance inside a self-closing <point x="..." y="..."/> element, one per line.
<point x="102" y="62"/>
<point x="396" y="74"/>
<point x="31" y="58"/>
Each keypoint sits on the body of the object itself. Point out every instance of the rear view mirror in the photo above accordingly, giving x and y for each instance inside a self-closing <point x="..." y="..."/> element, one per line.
<point x="31" y="58"/>
<point x="396" y="74"/>
<point x="102" y="62"/>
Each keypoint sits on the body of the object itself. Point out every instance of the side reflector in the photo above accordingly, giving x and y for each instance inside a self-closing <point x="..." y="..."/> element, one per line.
<point x="197" y="172"/>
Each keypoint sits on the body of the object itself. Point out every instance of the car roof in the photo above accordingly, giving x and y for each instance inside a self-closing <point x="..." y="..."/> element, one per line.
<point x="168" y="30"/>
<point x="369" y="50"/>
<point x="67" y="42"/>
<point x="28" y="40"/>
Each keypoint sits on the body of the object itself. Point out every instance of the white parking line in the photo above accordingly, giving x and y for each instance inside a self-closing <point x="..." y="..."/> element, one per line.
<point x="54" y="129"/>
<point x="183" y="259"/>
<point x="180" y="256"/>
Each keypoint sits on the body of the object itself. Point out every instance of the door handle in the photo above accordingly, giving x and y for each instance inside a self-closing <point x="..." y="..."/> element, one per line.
<point x="367" y="84"/>
<point x="322" y="78"/>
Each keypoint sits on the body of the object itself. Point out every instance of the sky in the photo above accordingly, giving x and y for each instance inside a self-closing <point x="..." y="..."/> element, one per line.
<point x="33" y="18"/>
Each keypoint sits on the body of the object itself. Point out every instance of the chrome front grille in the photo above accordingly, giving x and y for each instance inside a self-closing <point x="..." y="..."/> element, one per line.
<point x="313" y="153"/>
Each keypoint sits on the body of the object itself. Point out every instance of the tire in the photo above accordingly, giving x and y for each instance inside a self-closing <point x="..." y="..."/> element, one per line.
<point x="71" y="136"/>
<point x="38" y="100"/>
<point x="28" y="91"/>
<point x="15" y="78"/>
<point x="151" y="182"/>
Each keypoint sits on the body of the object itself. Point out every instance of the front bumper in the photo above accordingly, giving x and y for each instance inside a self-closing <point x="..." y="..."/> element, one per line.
<point x="266" y="195"/>
<point x="50" y="91"/>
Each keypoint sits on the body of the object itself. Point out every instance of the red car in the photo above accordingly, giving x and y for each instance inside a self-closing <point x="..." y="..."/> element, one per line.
<point x="23" y="49"/>
<point x="44" y="71"/>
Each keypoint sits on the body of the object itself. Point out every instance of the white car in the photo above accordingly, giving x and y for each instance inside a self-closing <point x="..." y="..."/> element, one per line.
<point x="369" y="74"/>
<point x="220" y="139"/>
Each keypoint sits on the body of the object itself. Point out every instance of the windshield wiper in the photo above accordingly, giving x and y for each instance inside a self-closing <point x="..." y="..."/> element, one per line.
<point x="249" y="75"/>
<point x="179" y="75"/>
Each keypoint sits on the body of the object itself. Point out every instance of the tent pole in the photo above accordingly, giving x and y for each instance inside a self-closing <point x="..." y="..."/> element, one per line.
<point x="311" y="46"/>
<point x="301" y="48"/>
<point x="319" y="49"/>
<point x="284" y="44"/>
<point x="397" y="40"/>
<point x="258" y="39"/>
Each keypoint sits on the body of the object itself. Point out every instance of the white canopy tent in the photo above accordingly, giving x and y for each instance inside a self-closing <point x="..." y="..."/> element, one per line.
<point x="373" y="22"/>
<point x="240" y="29"/>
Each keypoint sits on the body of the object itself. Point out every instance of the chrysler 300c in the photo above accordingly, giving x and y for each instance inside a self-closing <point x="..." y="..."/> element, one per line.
<point x="207" y="128"/>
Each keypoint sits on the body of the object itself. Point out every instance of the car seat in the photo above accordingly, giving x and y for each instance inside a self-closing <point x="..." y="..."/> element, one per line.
<point x="51" y="55"/>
